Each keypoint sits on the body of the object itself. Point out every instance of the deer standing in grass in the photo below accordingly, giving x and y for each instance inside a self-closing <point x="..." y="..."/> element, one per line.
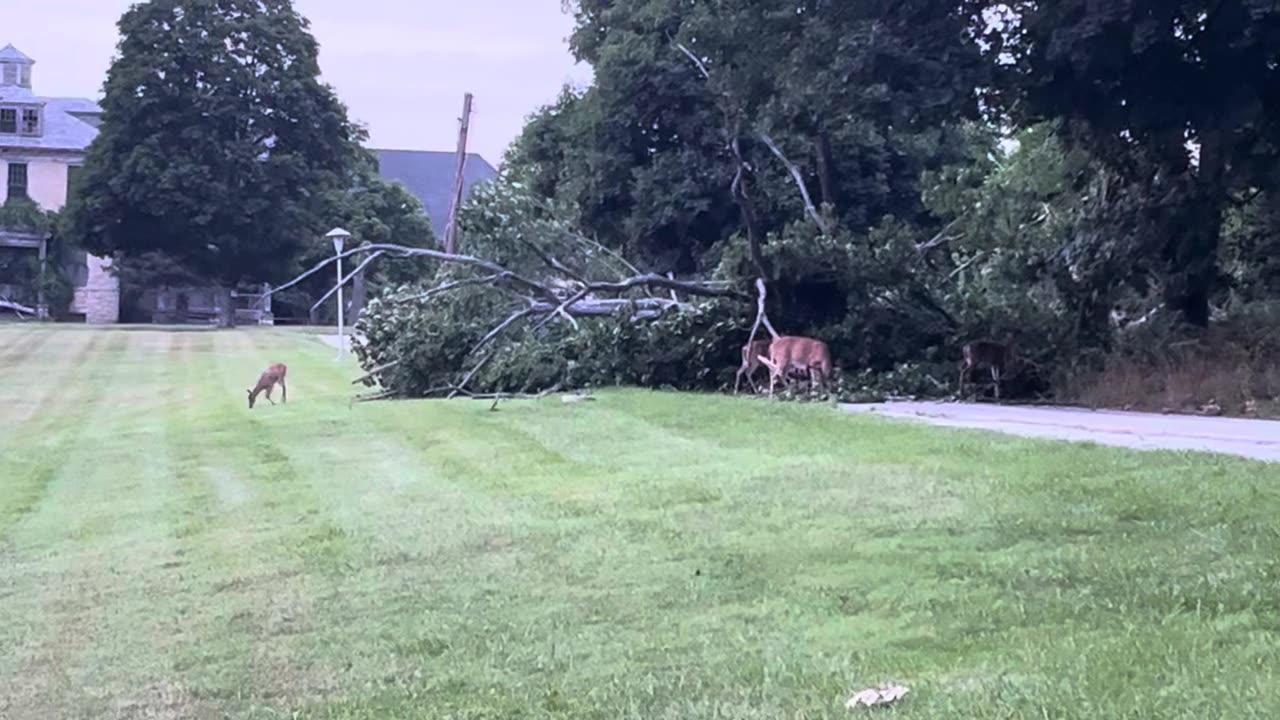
<point x="267" y="380"/>
<point x="800" y="353"/>
<point x="994" y="356"/>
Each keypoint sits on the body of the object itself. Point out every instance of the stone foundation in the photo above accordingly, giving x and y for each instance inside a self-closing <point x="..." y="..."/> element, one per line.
<point x="99" y="299"/>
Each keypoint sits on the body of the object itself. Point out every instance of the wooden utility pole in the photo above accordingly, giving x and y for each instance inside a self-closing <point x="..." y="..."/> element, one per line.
<point x="455" y="200"/>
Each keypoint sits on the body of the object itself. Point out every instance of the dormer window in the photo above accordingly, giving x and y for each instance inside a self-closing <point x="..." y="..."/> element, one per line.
<point x="30" y="121"/>
<point x="20" y="121"/>
<point x="10" y="74"/>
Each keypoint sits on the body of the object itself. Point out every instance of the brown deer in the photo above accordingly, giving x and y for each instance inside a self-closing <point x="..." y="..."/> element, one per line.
<point x="267" y="380"/>
<point x="996" y="357"/>
<point x="751" y="363"/>
<point x="789" y="352"/>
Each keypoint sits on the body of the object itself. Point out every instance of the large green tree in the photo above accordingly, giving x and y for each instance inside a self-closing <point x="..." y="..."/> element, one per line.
<point x="220" y="148"/>
<point x="859" y="95"/>
<point x="1182" y="97"/>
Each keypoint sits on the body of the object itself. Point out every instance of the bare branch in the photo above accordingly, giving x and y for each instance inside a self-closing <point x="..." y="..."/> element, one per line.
<point x="560" y="309"/>
<point x="518" y="396"/>
<point x="799" y="180"/>
<point x="375" y="372"/>
<point x="461" y="387"/>
<point x="404" y="251"/>
<point x="940" y="239"/>
<point x="965" y="265"/>
<point x="347" y="279"/>
<point x="451" y="285"/>
<point x="702" y="67"/>
<point x="761" y="316"/>
<point x="17" y="308"/>
<point x="548" y="260"/>
<point x="372" y="397"/>
<point x="498" y="330"/>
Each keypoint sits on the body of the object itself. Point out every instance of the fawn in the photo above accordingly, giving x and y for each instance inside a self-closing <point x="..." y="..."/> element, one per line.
<point x="994" y="356"/>
<point x="267" y="380"/>
<point x="787" y="353"/>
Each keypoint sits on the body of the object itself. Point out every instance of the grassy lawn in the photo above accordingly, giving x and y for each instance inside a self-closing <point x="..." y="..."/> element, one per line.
<point x="166" y="553"/>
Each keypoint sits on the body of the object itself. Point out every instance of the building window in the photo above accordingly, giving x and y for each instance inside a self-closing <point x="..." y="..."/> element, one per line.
<point x="18" y="181"/>
<point x="10" y="74"/>
<point x="26" y="76"/>
<point x="73" y="180"/>
<point x="30" y="121"/>
<point x="8" y="120"/>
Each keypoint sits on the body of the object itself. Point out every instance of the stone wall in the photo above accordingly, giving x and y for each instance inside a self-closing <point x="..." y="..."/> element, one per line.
<point x="99" y="299"/>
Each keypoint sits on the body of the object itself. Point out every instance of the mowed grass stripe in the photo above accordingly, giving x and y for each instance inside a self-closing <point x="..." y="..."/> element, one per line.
<point x="646" y="555"/>
<point x="49" y="358"/>
<point x="37" y="450"/>
<point x="67" y="547"/>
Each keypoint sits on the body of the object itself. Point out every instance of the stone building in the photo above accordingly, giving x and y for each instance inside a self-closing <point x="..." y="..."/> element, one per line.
<point x="42" y="145"/>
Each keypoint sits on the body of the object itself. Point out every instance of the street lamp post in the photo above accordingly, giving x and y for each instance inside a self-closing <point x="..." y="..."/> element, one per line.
<point x="339" y="236"/>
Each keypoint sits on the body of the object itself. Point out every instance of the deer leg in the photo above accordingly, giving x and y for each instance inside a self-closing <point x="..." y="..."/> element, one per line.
<point x="284" y="392"/>
<point x="963" y="368"/>
<point x="995" y="378"/>
<point x="737" y="380"/>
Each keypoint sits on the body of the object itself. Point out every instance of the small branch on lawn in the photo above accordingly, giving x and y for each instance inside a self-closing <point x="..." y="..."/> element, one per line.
<point x="799" y="180"/>
<point x="518" y="396"/>
<point x="372" y="397"/>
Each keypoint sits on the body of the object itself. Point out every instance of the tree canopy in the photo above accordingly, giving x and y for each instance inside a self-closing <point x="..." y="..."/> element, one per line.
<point x="1179" y="96"/>
<point x="220" y="147"/>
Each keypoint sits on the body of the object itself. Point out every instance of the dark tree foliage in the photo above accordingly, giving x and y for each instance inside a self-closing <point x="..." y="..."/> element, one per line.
<point x="220" y="147"/>
<point x="1181" y="97"/>
<point x="860" y="95"/>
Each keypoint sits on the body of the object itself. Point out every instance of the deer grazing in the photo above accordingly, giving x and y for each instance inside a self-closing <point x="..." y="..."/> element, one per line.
<point x="789" y="353"/>
<point x="996" y="357"/>
<point x="267" y="380"/>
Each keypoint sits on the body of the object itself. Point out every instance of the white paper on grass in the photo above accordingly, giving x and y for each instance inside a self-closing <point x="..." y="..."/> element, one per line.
<point x="871" y="697"/>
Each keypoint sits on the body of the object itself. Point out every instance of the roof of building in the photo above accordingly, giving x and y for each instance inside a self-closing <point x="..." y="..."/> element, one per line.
<point x="69" y="124"/>
<point x="429" y="176"/>
<point x="66" y="123"/>
<point x="9" y="53"/>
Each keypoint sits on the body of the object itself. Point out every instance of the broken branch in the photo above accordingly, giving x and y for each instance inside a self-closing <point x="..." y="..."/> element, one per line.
<point x="799" y="180"/>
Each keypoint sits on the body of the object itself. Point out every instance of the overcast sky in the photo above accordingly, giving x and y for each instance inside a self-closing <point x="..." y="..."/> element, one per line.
<point x="401" y="66"/>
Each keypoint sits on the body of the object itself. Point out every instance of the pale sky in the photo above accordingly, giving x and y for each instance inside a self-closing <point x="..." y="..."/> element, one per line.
<point x="401" y="66"/>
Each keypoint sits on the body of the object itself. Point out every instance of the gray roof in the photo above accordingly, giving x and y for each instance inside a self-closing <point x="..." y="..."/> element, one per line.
<point x="69" y="123"/>
<point x="429" y="176"/>
<point x="9" y="53"/>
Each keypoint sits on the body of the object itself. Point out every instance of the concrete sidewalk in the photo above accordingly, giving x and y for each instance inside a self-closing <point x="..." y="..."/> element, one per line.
<point x="1257" y="439"/>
